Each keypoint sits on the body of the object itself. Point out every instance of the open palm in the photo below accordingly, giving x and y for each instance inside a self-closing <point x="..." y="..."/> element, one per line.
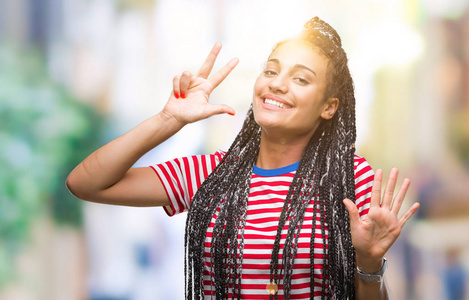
<point x="378" y="230"/>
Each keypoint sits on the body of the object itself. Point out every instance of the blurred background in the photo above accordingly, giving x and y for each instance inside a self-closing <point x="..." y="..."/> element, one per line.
<point x="74" y="74"/>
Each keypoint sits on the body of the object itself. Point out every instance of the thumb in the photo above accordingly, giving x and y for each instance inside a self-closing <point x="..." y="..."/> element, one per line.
<point x="352" y="211"/>
<point x="216" y="109"/>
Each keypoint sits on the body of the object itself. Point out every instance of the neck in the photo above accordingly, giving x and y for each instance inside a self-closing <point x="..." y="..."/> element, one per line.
<point x="276" y="152"/>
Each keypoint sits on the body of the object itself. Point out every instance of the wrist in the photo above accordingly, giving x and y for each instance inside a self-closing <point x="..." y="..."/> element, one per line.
<point x="373" y="276"/>
<point x="156" y="130"/>
<point x="369" y="265"/>
<point x="169" y="119"/>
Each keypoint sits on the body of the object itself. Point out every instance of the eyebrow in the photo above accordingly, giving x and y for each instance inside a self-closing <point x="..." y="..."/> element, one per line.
<point x="297" y="66"/>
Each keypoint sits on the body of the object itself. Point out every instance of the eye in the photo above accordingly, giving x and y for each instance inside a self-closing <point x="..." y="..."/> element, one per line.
<point x="270" y="73"/>
<point x="301" y="81"/>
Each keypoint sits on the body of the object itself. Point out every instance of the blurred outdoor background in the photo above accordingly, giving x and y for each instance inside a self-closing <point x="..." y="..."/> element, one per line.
<point x="74" y="74"/>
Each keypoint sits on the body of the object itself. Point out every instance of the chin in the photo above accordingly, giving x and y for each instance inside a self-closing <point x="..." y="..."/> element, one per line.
<point x="263" y="118"/>
<point x="267" y="123"/>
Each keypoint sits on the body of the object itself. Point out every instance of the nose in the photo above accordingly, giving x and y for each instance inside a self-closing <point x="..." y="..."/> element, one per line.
<point x="279" y="84"/>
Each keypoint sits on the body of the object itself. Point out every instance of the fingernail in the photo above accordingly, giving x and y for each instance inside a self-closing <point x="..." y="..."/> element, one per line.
<point x="183" y="95"/>
<point x="231" y="114"/>
<point x="176" y="95"/>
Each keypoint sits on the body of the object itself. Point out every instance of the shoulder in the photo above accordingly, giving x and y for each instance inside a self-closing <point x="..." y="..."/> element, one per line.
<point x="357" y="159"/>
<point x="219" y="154"/>
<point x="360" y="162"/>
<point x="362" y="168"/>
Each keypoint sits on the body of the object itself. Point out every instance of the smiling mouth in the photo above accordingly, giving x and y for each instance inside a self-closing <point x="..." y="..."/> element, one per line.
<point x="274" y="103"/>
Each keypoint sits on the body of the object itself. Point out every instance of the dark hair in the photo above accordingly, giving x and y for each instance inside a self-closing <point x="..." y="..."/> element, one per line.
<point x="326" y="169"/>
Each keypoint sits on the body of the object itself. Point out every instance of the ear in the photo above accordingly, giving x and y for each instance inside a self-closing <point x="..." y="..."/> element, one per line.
<point x="330" y="107"/>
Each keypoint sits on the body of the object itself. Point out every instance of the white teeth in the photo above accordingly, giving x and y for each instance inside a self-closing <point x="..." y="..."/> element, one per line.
<point x="275" y="103"/>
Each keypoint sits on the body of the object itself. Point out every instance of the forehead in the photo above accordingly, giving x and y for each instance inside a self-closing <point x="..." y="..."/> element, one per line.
<point x="301" y="52"/>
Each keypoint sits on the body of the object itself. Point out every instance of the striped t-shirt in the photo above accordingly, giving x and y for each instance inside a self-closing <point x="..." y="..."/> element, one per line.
<point x="183" y="176"/>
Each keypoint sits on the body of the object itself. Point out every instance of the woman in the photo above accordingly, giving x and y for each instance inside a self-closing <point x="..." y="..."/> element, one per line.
<point x="289" y="211"/>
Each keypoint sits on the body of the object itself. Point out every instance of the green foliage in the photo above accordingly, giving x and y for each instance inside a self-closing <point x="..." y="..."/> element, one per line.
<point x="44" y="133"/>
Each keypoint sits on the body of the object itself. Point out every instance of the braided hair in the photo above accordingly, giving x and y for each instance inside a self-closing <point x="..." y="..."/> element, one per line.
<point x="325" y="176"/>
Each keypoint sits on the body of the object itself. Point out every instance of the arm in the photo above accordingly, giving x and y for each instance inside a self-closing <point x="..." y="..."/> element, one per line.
<point x="375" y="234"/>
<point x="106" y="175"/>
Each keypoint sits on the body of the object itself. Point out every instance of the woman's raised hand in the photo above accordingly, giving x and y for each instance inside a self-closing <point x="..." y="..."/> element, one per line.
<point x="189" y="99"/>
<point x="378" y="230"/>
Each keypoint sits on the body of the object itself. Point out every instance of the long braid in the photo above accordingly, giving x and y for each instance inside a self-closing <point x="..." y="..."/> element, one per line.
<point x="325" y="176"/>
<point x="336" y="169"/>
<point x="224" y="184"/>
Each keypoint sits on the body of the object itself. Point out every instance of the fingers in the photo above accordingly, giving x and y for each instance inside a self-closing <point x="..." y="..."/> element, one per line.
<point x="207" y="66"/>
<point x="409" y="214"/>
<point x="387" y="200"/>
<point x="352" y="210"/>
<point x="181" y="84"/>
<point x="389" y="190"/>
<point x="176" y="89"/>
<point x="396" y="205"/>
<point x="216" y="109"/>
<point x="376" y="189"/>
<point x="184" y="83"/>
<point x="216" y="79"/>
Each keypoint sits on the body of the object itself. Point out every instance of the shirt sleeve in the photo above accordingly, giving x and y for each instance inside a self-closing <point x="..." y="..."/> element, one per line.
<point x="364" y="177"/>
<point x="182" y="177"/>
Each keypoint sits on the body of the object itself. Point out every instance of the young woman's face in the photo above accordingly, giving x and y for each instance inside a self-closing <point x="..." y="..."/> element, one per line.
<point x="289" y="94"/>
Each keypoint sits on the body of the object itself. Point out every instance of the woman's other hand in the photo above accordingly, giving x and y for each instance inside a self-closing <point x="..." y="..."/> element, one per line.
<point x="189" y="99"/>
<point x="378" y="230"/>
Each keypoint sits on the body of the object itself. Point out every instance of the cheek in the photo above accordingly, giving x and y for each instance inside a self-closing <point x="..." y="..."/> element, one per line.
<point x="259" y="85"/>
<point x="311" y="101"/>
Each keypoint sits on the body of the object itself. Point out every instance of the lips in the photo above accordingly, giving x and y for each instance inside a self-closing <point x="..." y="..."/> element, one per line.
<point x="270" y="100"/>
<point x="274" y="103"/>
